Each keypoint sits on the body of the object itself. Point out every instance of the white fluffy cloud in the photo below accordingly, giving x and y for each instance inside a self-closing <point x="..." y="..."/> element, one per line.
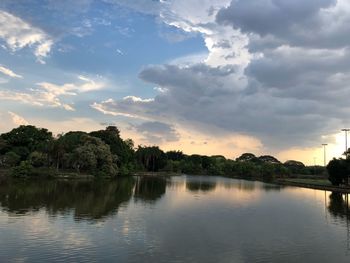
<point x="9" y="72"/>
<point x="18" y="34"/>
<point x="52" y="95"/>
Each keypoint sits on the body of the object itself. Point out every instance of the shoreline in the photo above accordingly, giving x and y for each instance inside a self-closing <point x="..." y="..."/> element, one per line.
<point x="277" y="181"/>
<point x="329" y="188"/>
<point x="290" y="182"/>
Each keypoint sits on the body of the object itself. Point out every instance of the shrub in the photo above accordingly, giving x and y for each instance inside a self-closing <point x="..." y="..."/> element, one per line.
<point x="37" y="159"/>
<point x="23" y="170"/>
<point x="11" y="159"/>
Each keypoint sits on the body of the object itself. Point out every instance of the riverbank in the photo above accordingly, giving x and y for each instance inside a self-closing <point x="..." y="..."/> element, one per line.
<point x="49" y="173"/>
<point x="68" y="174"/>
<point x="317" y="184"/>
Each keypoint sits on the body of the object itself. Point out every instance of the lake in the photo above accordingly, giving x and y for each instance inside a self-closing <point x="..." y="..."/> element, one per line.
<point x="175" y="219"/>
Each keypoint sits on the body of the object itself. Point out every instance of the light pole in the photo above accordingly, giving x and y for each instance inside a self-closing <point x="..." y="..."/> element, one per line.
<point x="346" y="140"/>
<point x="324" y="153"/>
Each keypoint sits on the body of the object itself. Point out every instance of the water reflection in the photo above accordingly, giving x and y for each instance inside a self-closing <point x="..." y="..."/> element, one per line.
<point x="235" y="220"/>
<point x="150" y="189"/>
<point x="338" y="208"/>
<point x="250" y="186"/>
<point x="338" y="205"/>
<point x="87" y="199"/>
<point x="272" y="187"/>
<point x="194" y="186"/>
<point x="92" y="199"/>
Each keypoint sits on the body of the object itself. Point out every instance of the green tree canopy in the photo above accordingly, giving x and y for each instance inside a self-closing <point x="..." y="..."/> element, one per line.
<point x="95" y="156"/>
<point x="151" y="158"/>
<point x="338" y="170"/>
<point x="28" y="136"/>
<point x="247" y="157"/>
<point x="268" y="159"/>
<point x="123" y="149"/>
<point x="175" y="155"/>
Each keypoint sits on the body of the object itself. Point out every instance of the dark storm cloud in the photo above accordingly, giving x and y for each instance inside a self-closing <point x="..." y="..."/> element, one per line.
<point x="271" y="23"/>
<point x="294" y="22"/>
<point x="200" y="99"/>
<point x="292" y="92"/>
<point x="274" y="17"/>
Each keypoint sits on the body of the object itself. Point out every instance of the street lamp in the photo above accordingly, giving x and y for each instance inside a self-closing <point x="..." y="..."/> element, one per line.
<point x="346" y="140"/>
<point x="324" y="153"/>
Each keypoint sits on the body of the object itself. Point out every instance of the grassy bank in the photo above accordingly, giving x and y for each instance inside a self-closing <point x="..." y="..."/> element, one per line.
<point x="319" y="184"/>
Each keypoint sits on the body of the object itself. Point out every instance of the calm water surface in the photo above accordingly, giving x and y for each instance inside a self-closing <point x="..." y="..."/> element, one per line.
<point x="175" y="219"/>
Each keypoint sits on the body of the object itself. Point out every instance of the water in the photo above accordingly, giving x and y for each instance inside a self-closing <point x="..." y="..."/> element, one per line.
<point x="175" y="219"/>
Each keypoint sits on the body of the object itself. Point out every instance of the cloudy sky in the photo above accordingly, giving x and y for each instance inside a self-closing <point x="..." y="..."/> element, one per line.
<point x="202" y="76"/>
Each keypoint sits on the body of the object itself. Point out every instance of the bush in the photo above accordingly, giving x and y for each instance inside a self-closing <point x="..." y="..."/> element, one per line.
<point x="37" y="159"/>
<point x="23" y="170"/>
<point x="11" y="159"/>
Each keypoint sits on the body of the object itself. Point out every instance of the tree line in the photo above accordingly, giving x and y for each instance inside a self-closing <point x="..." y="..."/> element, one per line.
<point x="28" y="150"/>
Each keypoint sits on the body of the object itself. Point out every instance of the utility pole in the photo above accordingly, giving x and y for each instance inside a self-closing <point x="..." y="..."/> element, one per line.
<point x="324" y="153"/>
<point x="346" y="150"/>
<point x="346" y="140"/>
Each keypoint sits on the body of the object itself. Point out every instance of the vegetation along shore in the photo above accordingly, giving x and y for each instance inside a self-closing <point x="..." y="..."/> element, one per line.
<point x="29" y="151"/>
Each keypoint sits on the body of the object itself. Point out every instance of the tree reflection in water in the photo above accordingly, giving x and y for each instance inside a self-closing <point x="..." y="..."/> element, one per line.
<point x="199" y="185"/>
<point x="339" y="205"/>
<point x="89" y="200"/>
<point x="150" y="188"/>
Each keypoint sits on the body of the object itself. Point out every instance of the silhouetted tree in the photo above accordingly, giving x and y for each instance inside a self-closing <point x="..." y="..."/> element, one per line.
<point x="268" y="159"/>
<point x="247" y="157"/>
<point x="338" y="170"/>
<point x="151" y="158"/>
<point x="175" y="155"/>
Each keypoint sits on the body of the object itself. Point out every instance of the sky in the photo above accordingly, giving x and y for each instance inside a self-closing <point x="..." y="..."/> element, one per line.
<point x="201" y="76"/>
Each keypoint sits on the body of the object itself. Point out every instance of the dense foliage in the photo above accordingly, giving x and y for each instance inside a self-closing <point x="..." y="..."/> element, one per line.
<point x="28" y="150"/>
<point x="339" y="170"/>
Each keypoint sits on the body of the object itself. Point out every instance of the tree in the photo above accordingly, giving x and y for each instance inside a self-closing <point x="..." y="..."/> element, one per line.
<point x="10" y="159"/>
<point x="151" y="158"/>
<point x="295" y="167"/>
<point x="26" y="139"/>
<point x="338" y="170"/>
<point x="246" y="169"/>
<point x="23" y="170"/>
<point x="268" y="159"/>
<point x="3" y="146"/>
<point x="37" y="159"/>
<point x="93" y="155"/>
<point x="123" y="149"/>
<point x="193" y="164"/>
<point x="247" y="157"/>
<point x="63" y="147"/>
<point x="175" y="155"/>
